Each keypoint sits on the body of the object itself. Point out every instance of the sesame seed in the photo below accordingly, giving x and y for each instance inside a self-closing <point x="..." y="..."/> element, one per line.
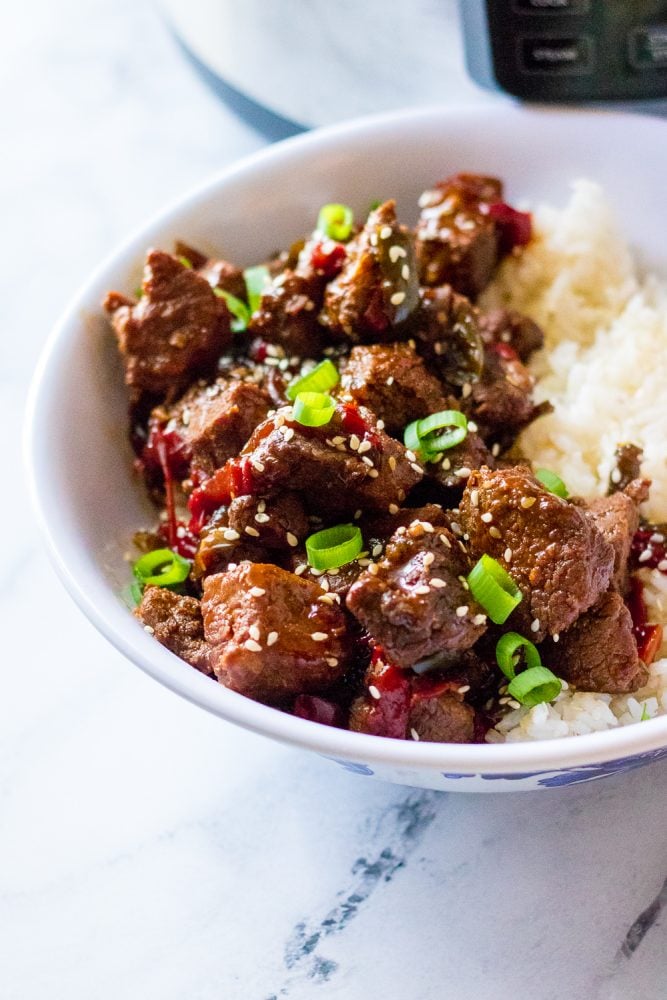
<point x="657" y="537"/>
<point x="319" y="636"/>
<point x="380" y="425"/>
<point x="262" y="518"/>
<point x="556" y="636"/>
<point x="354" y="442"/>
<point x="616" y="476"/>
<point x="390" y="380"/>
<point x="535" y="625"/>
<point x="254" y="632"/>
<point x="462" y="611"/>
<point x="393" y="508"/>
<point x="261" y="506"/>
<point x="508" y="555"/>
<point x="415" y="735"/>
<point x="149" y="629"/>
<point x="645" y="555"/>
<point x="373" y="569"/>
<point x="474" y="498"/>
<point x="257" y="592"/>
<point x="289" y="433"/>
<point x="301" y="568"/>
<point x="373" y="473"/>
<point x="338" y="440"/>
<point x="257" y="465"/>
<point x="374" y="239"/>
<point x="429" y="558"/>
<point x="493" y="531"/>
<point x="253" y="532"/>
<point x="292" y="539"/>
<point x="401" y="495"/>
<point x="472" y="426"/>
<point x="466" y="389"/>
<point x="367" y="461"/>
<point x="271" y="638"/>
<point x="316" y="572"/>
<point x="446" y="463"/>
<point x="232" y="565"/>
<point x="253" y="646"/>
<point x="377" y="551"/>
<point x="463" y="472"/>
<point x="527" y="502"/>
<point x="332" y="661"/>
<point x="662" y="565"/>
<point x="479" y="620"/>
<point x="422" y="589"/>
<point x="416" y="468"/>
<point x="373" y="692"/>
<point x="326" y="598"/>
<point x="437" y="582"/>
<point x="230" y="535"/>
<point x="445" y="541"/>
<point x="405" y="272"/>
<point x="495" y="450"/>
<point x="357" y="514"/>
<point x="385" y="232"/>
<point x="363" y="561"/>
<point x="463" y="689"/>
<point x="364" y="447"/>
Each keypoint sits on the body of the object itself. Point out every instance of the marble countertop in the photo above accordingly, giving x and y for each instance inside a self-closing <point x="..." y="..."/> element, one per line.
<point x="151" y="852"/>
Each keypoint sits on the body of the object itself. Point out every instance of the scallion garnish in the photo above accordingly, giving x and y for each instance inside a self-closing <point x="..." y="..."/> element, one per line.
<point x="314" y="409"/>
<point x="533" y="686"/>
<point x="237" y="308"/>
<point x="256" y="281"/>
<point x="185" y="261"/>
<point x="335" y="222"/>
<point x="334" y="547"/>
<point x="494" y="589"/>
<point x="161" y="568"/>
<point x="508" y="653"/>
<point x="320" y="379"/>
<point x="552" y="482"/>
<point x="421" y="435"/>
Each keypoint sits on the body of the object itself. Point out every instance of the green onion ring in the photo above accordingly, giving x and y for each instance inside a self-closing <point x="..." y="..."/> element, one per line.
<point x="237" y="308"/>
<point x="320" y="379"/>
<point x="335" y="222"/>
<point x="494" y="589"/>
<point x="533" y="686"/>
<point x="552" y="482"/>
<point x="419" y="436"/>
<point x="314" y="409"/>
<point x="185" y="261"/>
<point x="508" y="650"/>
<point x="411" y="438"/>
<point x="334" y="547"/>
<point x="256" y="281"/>
<point x="161" y="568"/>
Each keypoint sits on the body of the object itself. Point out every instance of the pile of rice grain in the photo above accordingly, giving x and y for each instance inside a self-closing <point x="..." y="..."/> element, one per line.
<point x="604" y="369"/>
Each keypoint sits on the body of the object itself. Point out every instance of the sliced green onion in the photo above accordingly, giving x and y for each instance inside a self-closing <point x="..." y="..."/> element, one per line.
<point x="508" y="653"/>
<point x="420" y="434"/>
<point x="533" y="686"/>
<point x="552" y="482"/>
<point x="237" y="308"/>
<point x="162" y="568"/>
<point x="320" y="379"/>
<point x="185" y="261"/>
<point x="373" y="205"/>
<point x="411" y="436"/>
<point x="256" y="281"/>
<point x="334" y="546"/>
<point x="314" y="409"/>
<point x="335" y="222"/>
<point x="644" y="716"/>
<point x="494" y="589"/>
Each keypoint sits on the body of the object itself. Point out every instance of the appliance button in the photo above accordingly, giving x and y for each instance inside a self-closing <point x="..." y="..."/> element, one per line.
<point x="560" y="56"/>
<point x="551" y="6"/>
<point x="647" y="47"/>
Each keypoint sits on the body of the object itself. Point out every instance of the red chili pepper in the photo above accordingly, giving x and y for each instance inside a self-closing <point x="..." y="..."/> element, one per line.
<point x="516" y="228"/>
<point x="328" y="257"/>
<point x="387" y="715"/>
<point x="353" y="423"/>
<point x="648" y="637"/>
<point x="504" y="351"/>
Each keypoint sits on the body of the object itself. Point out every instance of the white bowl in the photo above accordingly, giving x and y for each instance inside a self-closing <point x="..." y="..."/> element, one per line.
<point x="89" y="503"/>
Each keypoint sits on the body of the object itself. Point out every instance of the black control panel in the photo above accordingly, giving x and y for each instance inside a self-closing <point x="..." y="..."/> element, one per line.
<point x="569" y="50"/>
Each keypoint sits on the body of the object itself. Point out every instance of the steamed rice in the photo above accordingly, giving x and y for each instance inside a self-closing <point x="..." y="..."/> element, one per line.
<point x="604" y="369"/>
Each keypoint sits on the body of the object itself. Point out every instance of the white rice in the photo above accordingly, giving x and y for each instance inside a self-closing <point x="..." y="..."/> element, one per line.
<point x="604" y="369"/>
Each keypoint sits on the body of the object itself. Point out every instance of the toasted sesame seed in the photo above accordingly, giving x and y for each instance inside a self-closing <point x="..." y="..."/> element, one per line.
<point x="319" y="636"/>
<point x="292" y="539"/>
<point x="373" y="473"/>
<point x="377" y="550"/>
<point x="487" y="517"/>
<point x="380" y="425"/>
<point x="662" y="565"/>
<point x="657" y="537"/>
<point x="422" y="589"/>
<point x="493" y="531"/>
<point x="429" y="558"/>
<point x="257" y="465"/>
<point x="479" y="620"/>
<point x="301" y="568"/>
<point x="253" y="532"/>
<point x="400" y="495"/>
<point x="474" y="498"/>
<point x="445" y="541"/>
<point x="390" y="380"/>
<point x="316" y="572"/>
<point x="230" y="535"/>
<point x="262" y="518"/>
<point x="466" y="389"/>
<point x="149" y="629"/>
<point x="385" y="232"/>
<point x="271" y="638"/>
<point x="373" y="692"/>
<point x="357" y="514"/>
<point x="472" y="426"/>
<point x="410" y="455"/>
<point x="437" y="582"/>
<point x="253" y="646"/>
<point x="405" y="272"/>
<point x="254" y="632"/>
<point x="374" y="239"/>
<point x="332" y="661"/>
<point x="527" y="502"/>
<point x="364" y="447"/>
<point x="463" y="472"/>
<point x="462" y="611"/>
<point x="508" y="555"/>
<point x="363" y="561"/>
<point x="415" y="467"/>
<point x="232" y="565"/>
<point x="257" y="592"/>
<point x="535" y="625"/>
<point x="373" y="569"/>
<point x="446" y="463"/>
<point x="354" y="442"/>
<point x="645" y="555"/>
<point x="367" y="461"/>
<point x="616" y="475"/>
<point x="326" y="598"/>
<point x="556" y="637"/>
<point x="463" y="689"/>
<point x="393" y="508"/>
<point x="261" y="506"/>
<point x="415" y="735"/>
<point x="495" y="450"/>
<point x="397" y="298"/>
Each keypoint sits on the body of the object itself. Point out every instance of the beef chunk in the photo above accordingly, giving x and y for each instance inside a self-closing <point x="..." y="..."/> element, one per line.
<point x="501" y="402"/>
<point x="287" y="315"/>
<point x="505" y="326"/>
<point x="278" y="522"/>
<point x="457" y="240"/>
<point x="599" y="652"/>
<point x="617" y="518"/>
<point x="384" y="707"/>
<point x="215" y="421"/>
<point x="176" y="330"/>
<point x="627" y="467"/>
<point x="392" y="381"/>
<point x="348" y="464"/>
<point x="378" y="289"/>
<point x="378" y="528"/>
<point x="271" y="636"/>
<point x="219" y="273"/>
<point x="557" y="557"/>
<point x="443" y="718"/>
<point x="413" y="601"/>
<point x="457" y="463"/>
<point x="176" y="622"/>
<point x="447" y="334"/>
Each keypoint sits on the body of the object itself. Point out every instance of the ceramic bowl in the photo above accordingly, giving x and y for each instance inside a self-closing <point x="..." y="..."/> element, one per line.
<point x="89" y="503"/>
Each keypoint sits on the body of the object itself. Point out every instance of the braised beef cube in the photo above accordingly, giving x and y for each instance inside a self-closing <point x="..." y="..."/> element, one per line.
<point x="447" y="334"/>
<point x="551" y="548"/>
<point x="271" y="635"/>
<point x="501" y="402"/>
<point x="219" y="273"/>
<point x="378" y="528"/>
<point x="346" y="465"/>
<point x="378" y="289"/>
<point x="175" y="332"/>
<point x="617" y="517"/>
<point x="384" y="707"/>
<point x="176" y="622"/>
<point x="457" y="239"/>
<point x="506" y="326"/>
<point x="277" y="522"/>
<point x="599" y="651"/>
<point x="335" y="581"/>
<point x="453" y="469"/>
<point x="627" y="467"/>
<point x="215" y="421"/>
<point x="219" y="549"/>
<point x="392" y="381"/>
<point x="443" y="718"/>
<point x="287" y="315"/>
<point x="413" y="602"/>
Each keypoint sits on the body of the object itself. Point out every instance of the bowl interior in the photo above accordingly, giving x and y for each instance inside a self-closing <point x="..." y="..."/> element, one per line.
<point x="88" y="498"/>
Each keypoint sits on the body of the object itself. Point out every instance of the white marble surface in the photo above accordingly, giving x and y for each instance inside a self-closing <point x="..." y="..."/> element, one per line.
<point x="150" y="852"/>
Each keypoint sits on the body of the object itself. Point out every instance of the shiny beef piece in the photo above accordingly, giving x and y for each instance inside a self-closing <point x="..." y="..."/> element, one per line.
<point x="176" y="623"/>
<point x="599" y="651"/>
<point x="277" y="522"/>
<point x="413" y="602"/>
<point x="287" y="315"/>
<point x="452" y="470"/>
<point x="271" y="635"/>
<point x="332" y="477"/>
<point x="617" y="518"/>
<point x="551" y="548"/>
<point x="378" y="288"/>
<point x="457" y="240"/>
<point x="393" y="382"/>
<point x="501" y="402"/>
<point x="174" y="333"/>
<point x="219" y="273"/>
<point x="442" y="718"/>
<point x="447" y="334"/>
<point x="215" y="421"/>
<point x="506" y="326"/>
<point x="627" y="467"/>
